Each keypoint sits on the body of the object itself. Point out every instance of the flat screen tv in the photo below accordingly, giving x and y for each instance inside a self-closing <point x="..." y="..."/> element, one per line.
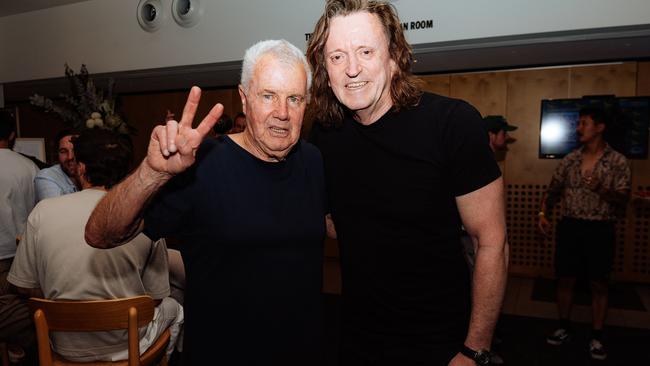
<point x="627" y="130"/>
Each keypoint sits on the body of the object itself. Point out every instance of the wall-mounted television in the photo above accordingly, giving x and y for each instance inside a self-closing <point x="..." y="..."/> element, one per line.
<point x="627" y="131"/>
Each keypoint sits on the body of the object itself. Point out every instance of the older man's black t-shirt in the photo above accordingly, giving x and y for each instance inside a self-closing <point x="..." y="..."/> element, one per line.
<point x="251" y="235"/>
<point x="391" y="191"/>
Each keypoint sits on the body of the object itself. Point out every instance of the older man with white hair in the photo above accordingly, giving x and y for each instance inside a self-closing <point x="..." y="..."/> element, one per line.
<point x="249" y="209"/>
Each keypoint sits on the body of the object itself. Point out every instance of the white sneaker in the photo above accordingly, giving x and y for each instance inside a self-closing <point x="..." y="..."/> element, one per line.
<point x="16" y="353"/>
<point x="597" y="350"/>
<point x="559" y="337"/>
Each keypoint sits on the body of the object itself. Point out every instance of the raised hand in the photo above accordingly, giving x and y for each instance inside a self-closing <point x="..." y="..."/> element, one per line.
<point x="172" y="147"/>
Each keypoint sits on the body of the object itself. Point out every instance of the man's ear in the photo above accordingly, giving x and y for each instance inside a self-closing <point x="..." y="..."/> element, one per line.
<point x="242" y="96"/>
<point x="81" y="169"/>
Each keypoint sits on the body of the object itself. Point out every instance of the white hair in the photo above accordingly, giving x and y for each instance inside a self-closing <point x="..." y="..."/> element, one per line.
<point x="281" y="49"/>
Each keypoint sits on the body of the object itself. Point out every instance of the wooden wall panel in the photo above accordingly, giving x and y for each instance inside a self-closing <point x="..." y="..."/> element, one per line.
<point x="36" y="123"/>
<point x="485" y="91"/>
<point x="438" y="84"/>
<point x="643" y="79"/>
<point x="145" y="111"/>
<point x="526" y="89"/>
<point x="617" y="79"/>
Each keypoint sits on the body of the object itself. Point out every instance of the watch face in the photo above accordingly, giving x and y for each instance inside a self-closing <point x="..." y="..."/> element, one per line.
<point x="482" y="358"/>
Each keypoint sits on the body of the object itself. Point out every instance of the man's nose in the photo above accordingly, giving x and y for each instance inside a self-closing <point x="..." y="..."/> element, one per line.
<point x="353" y="67"/>
<point x="282" y="110"/>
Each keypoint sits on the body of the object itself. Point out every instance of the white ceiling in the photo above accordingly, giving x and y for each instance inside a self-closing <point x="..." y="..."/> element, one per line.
<point x="11" y="7"/>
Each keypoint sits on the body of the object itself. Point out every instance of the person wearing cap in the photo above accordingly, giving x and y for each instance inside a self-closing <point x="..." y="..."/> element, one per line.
<point x="498" y="129"/>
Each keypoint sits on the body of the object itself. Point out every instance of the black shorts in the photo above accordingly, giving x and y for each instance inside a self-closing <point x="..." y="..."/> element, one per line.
<point x="584" y="249"/>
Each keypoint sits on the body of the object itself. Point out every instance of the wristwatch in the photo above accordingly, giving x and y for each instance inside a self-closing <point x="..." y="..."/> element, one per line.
<point x="481" y="357"/>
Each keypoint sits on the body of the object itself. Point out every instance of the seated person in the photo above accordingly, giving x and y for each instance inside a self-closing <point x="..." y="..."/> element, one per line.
<point x="59" y="179"/>
<point x="53" y="260"/>
<point x="239" y="123"/>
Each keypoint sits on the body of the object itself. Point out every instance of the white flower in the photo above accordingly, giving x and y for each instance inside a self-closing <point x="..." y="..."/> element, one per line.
<point x="86" y="101"/>
<point x="106" y="107"/>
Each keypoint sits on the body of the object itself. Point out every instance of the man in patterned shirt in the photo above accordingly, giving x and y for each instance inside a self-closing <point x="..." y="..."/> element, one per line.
<point x="593" y="183"/>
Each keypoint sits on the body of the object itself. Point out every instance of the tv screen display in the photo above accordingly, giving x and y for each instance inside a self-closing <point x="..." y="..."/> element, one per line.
<point x="627" y="130"/>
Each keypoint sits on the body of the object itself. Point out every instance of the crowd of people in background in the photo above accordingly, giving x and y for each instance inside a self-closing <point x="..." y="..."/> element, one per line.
<point x="55" y="227"/>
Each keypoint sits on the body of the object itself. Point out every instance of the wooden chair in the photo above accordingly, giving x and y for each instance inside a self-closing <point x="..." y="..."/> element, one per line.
<point x="97" y="315"/>
<point x="4" y="354"/>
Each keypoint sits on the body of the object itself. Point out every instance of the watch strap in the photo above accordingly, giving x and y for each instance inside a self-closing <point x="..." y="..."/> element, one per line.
<point x="481" y="357"/>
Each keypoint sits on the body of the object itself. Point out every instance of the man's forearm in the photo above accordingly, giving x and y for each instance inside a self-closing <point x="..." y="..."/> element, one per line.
<point x="489" y="283"/>
<point x="117" y="217"/>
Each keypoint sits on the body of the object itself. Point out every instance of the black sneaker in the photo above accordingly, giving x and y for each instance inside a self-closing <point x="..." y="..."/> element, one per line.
<point x="597" y="350"/>
<point x="559" y="337"/>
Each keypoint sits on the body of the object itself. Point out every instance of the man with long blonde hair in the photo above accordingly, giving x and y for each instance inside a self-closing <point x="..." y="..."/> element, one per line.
<point x="405" y="170"/>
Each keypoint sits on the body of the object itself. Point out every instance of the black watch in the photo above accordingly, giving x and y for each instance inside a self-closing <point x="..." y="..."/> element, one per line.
<point x="481" y="357"/>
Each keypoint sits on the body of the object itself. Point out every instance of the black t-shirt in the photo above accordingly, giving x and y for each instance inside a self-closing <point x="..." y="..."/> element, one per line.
<point x="251" y="238"/>
<point x="391" y="192"/>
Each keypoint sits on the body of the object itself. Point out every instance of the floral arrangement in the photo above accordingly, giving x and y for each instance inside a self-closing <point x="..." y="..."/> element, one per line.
<point x="87" y="106"/>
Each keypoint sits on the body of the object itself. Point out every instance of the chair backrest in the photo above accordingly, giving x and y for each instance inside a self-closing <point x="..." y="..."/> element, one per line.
<point x="88" y="316"/>
<point x="4" y="354"/>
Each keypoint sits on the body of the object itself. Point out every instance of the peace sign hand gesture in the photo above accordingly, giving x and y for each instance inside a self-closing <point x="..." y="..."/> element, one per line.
<point x="172" y="147"/>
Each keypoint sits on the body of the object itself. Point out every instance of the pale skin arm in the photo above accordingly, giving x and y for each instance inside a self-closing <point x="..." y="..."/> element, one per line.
<point x="330" y="228"/>
<point x="483" y="216"/>
<point x="172" y="149"/>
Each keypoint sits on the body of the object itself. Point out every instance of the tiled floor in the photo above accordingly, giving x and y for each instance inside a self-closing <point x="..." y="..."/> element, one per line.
<point x="518" y="301"/>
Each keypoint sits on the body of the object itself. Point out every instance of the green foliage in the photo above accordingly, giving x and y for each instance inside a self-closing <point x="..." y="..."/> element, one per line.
<point x="86" y="106"/>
